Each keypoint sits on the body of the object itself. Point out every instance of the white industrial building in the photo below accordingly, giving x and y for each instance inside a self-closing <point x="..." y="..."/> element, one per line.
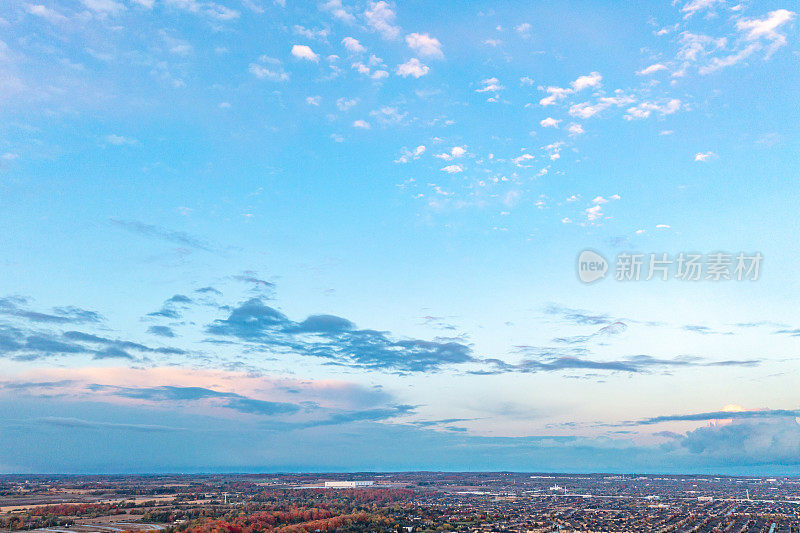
<point x="347" y="484"/>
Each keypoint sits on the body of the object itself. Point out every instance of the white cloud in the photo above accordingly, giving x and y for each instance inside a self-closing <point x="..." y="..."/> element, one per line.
<point x="594" y="212"/>
<point x="575" y="129"/>
<point x="554" y="150"/>
<point x="526" y="80"/>
<point x="302" y="51"/>
<point x="549" y="122"/>
<point x="46" y="13"/>
<point x="308" y="33"/>
<point x="119" y="140"/>
<point x="175" y="46"/>
<point x="409" y="155"/>
<point x="766" y="28"/>
<point x="313" y="100"/>
<point x="651" y="69"/>
<point x="388" y="115"/>
<point x="209" y="9"/>
<point x="490" y="85"/>
<point x="693" y="6"/>
<point x="346" y="103"/>
<point x="365" y="70"/>
<point x="694" y="45"/>
<point x="363" y="124"/>
<point x="181" y="49"/>
<point x="584" y="82"/>
<point x="353" y="45"/>
<point x="412" y="67"/>
<point x="425" y="45"/>
<point x="521" y="160"/>
<point x="555" y="94"/>
<point x="586" y="110"/>
<point x="704" y="156"/>
<point x="107" y="7"/>
<point x="338" y="11"/>
<point x="455" y="152"/>
<point x="380" y="17"/>
<point x="645" y="109"/>
<point x="452" y="169"/>
<point x="662" y="226"/>
<point x="729" y="60"/>
<point x="523" y="28"/>
<point x="268" y="73"/>
<point x="599" y="200"/>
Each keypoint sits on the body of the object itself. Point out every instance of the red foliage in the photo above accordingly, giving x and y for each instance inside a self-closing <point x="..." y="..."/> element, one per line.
<point x="72" y="509"/>
<point x="291" y="521"/>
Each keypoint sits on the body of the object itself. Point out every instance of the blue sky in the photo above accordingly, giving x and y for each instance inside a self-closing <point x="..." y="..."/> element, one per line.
<point x="317" y="235"/>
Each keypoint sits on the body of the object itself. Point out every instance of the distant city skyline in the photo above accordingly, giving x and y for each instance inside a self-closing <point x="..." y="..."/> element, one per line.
<point x="257" y="235"/>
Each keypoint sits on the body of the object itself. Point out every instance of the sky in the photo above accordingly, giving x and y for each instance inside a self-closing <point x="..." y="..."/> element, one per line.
<point x="336" y="235"/>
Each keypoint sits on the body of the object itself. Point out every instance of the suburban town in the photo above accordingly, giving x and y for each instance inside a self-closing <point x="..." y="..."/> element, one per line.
<point x="399" y="502"/>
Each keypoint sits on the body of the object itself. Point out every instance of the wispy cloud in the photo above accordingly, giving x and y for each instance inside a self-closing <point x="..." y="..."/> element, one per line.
<point x="162" y="233"/>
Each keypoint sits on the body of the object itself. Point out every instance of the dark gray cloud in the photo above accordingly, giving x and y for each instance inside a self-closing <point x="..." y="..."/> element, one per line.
<point x="121" y="344"/>
<point x="754" y="442"/>
<point x="718" y="415"/>
<point x="89" y="424"/>
<point x="553" y="360"/>
<point x="161" y="233"/>
<point x="371" y="415"/>
<point x="112" y="352"/>
<point x="78" y="315"/>
<point x="790" y="332"/>
<point x="437" y="322"/>
<point x="755" y="446"/>
<point x="704" y="330"/>
<point x="172" y="307"/>
<point x="35" y="385"/>
<point x="579" y="317"/>
<point x="45" y="343"/>
<point x="166" y="312"/>
<point x="168" y="395"/>
<point x="161" y="331"/>
<point x="29" y="344"/>
<point x="336" y="338"/>
<point x="209" y="290"/>
<point x="615" y="328"/>
<point x="258" y="286"/>
<point x="761" y="323"/>
<point x="230" y="400"/>
<point x="323" y="324"/>
<point x="15" y="306"/>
